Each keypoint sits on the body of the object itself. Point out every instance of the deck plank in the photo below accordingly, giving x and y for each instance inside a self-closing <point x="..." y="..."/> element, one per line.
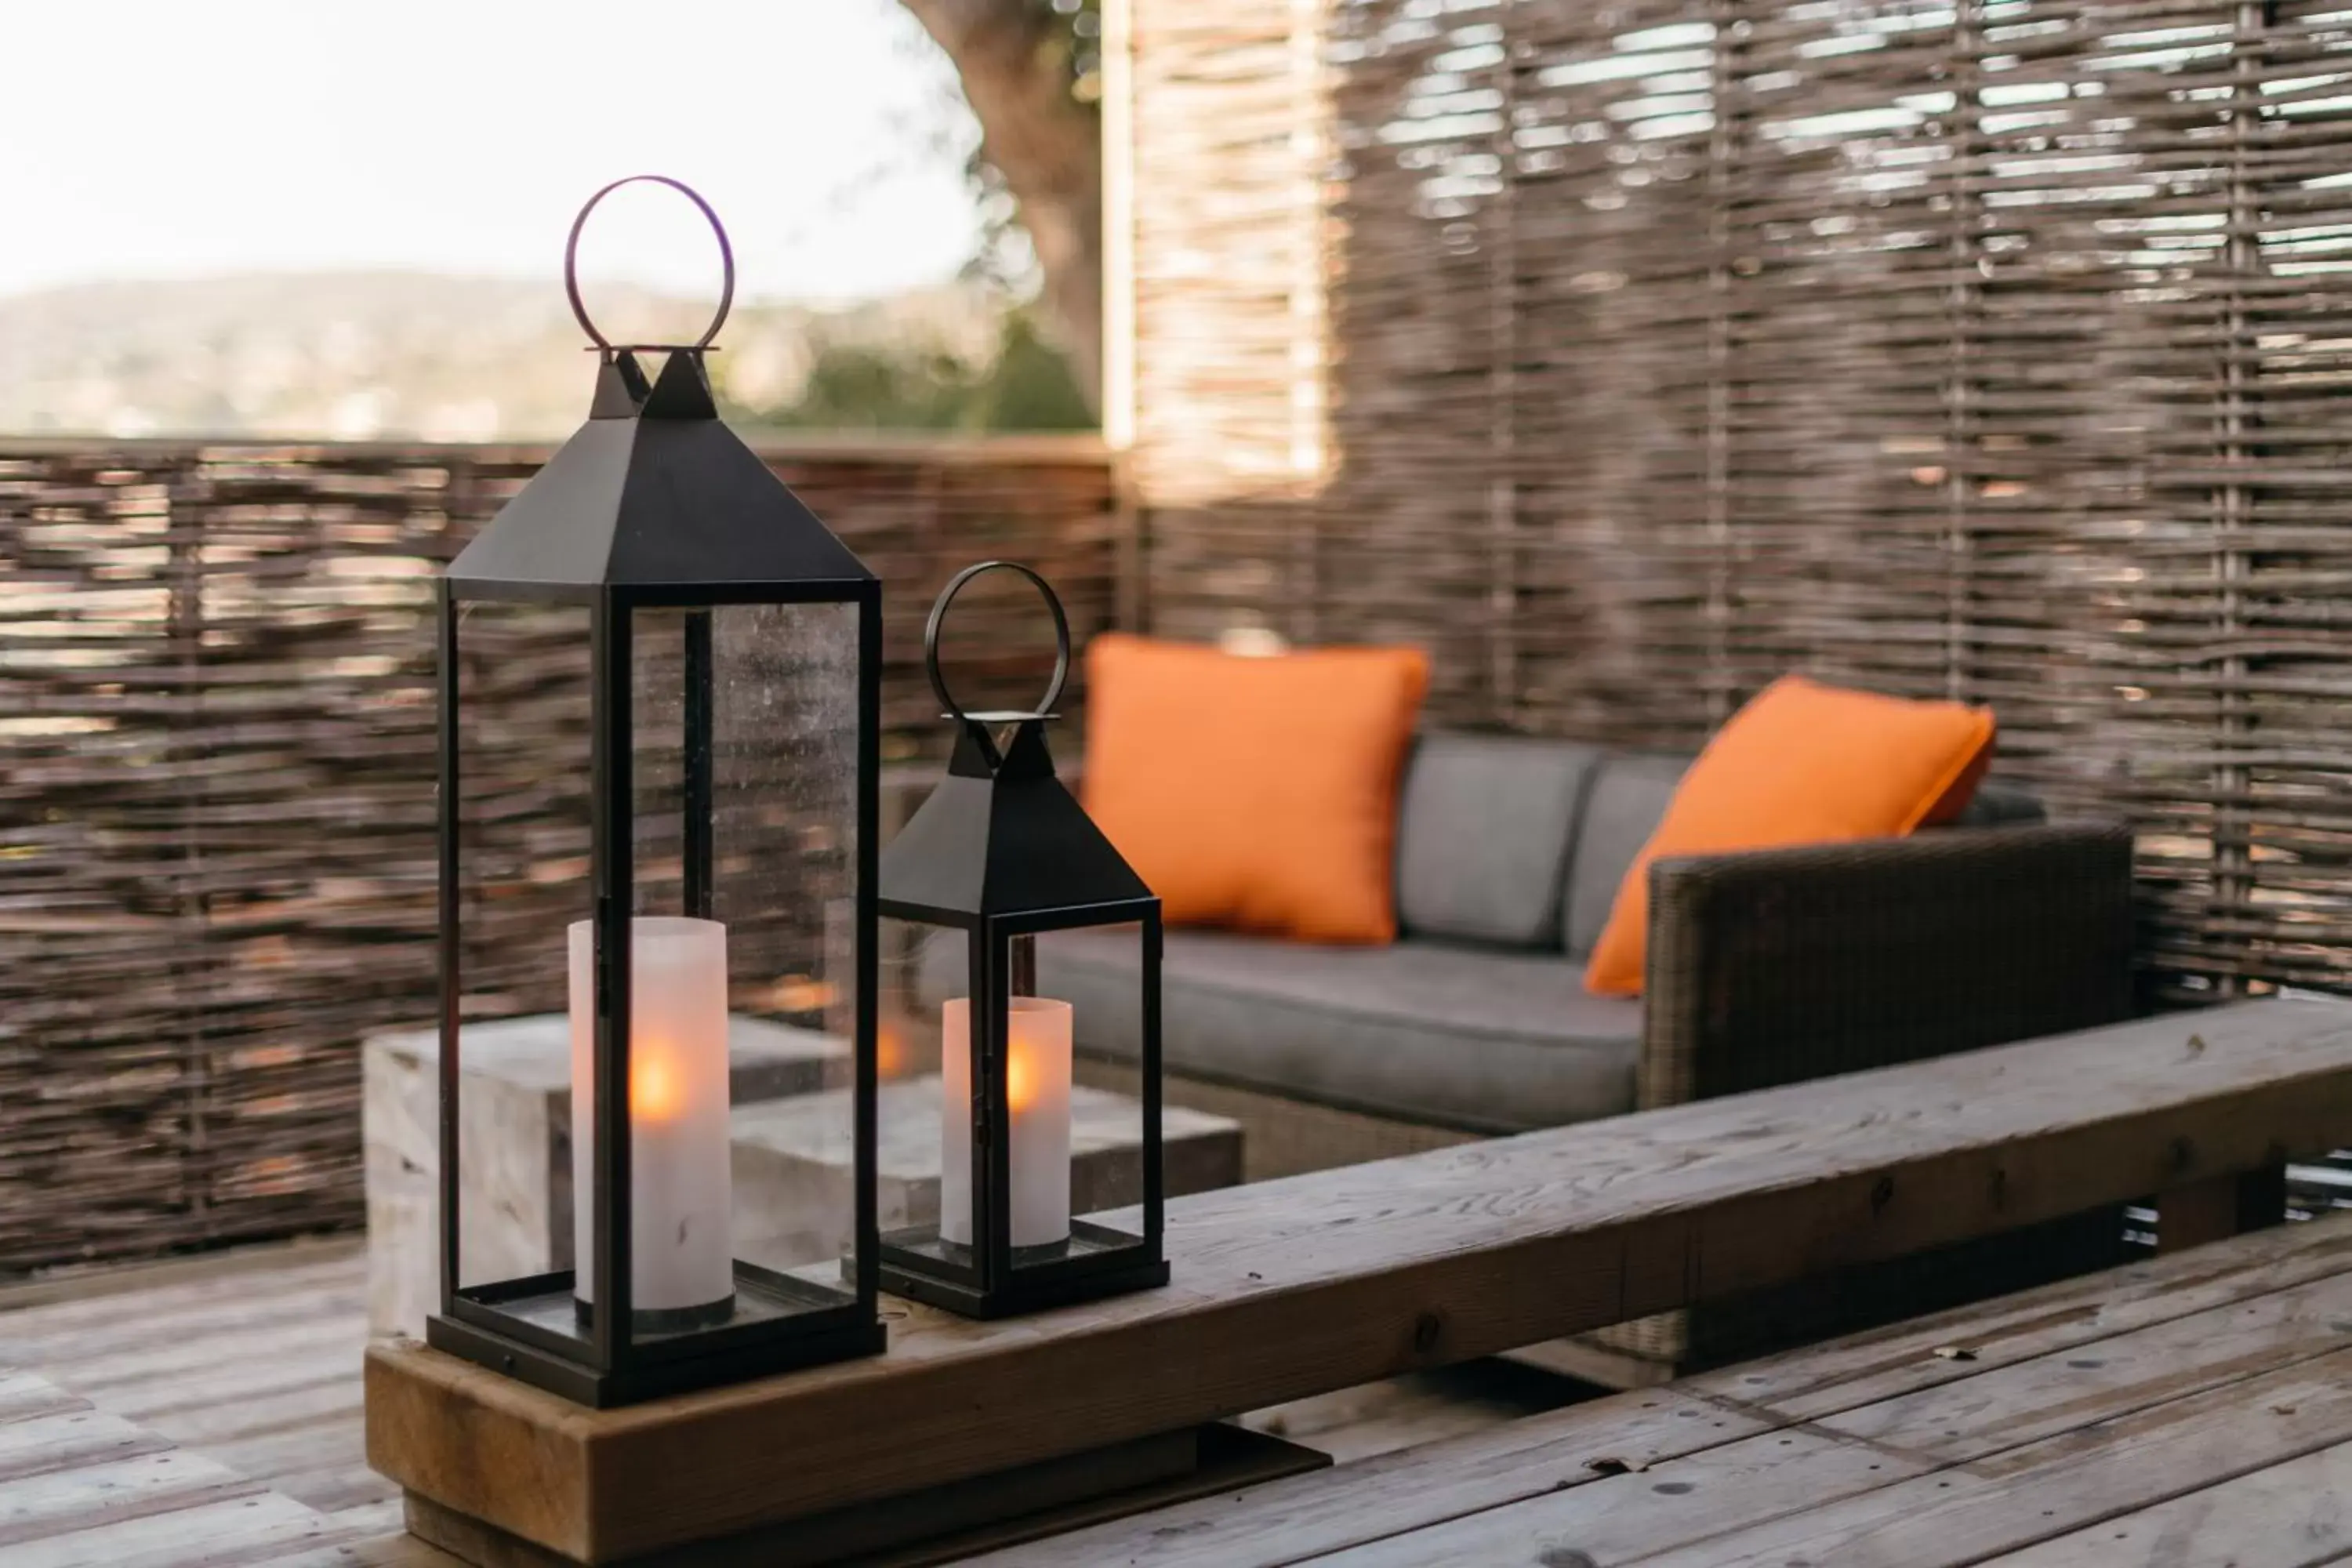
<point x="326" y="1445"/>
<point x="105" y="1299"/>
<point x="1358" y="1424"/>
<point x="240" y="1386"/>
<point x="2008" y="1406"/>
<point x="160" y="1402"/>
<point x="2059" y="1485"/>
<point x="1261" y="1527"/>
<point x="1953" y="1440"/>
<point x="1860" y="1369"/>
<point x="2294" y="1515"/>
<point x="383" y="1516"/>
<point x="68" y="1441"/>
<point x="393" y="1549"/>
<point x="321" y="1394"/>
<point x="83" y="1487"/>
<point x="1622" y="1519"/>
<point x="1265" y="1526"/>
<point x="333" y="1487"/>
<point x="57" y="1337"/>
<point x="236" y="1532"/>
<point x="2174" y="1314"/>
<point x="58" y="1502"/>
<point x="188" y="1358"/>
<point x="25" y="1396"/>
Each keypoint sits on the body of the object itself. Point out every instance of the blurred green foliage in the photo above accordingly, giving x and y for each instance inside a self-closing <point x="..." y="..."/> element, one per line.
<point x="868" y="386"/>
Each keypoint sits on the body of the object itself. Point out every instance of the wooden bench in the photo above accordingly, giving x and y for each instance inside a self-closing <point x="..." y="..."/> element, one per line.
<point x="1322" y="1281"/>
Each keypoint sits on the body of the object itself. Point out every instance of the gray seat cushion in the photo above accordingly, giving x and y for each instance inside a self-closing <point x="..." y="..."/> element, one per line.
<point x="1483" y="837"/>
<point x="1628" y="797"/>
<point x="1482" y="1039"/>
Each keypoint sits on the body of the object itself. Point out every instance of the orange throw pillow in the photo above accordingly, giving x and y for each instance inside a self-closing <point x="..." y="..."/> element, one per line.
<point x="1801" y="764"/>
<point x="1255" y="792"/>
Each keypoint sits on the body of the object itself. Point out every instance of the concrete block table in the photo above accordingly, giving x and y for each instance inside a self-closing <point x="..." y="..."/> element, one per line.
<point x="515" y="1147"/>
<point x="793" y="1172"/>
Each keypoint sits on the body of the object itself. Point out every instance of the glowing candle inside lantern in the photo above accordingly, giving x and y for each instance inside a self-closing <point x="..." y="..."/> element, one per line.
<point x="680" y="1167"/>
<point x="1037" y="1092"/>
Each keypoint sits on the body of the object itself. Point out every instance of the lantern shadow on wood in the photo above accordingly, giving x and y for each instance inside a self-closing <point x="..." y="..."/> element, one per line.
<point x="721" y="650"/>
<point x="999" y="857"/>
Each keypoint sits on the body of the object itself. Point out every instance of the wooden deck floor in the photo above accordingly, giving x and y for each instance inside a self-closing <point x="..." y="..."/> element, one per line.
<point x="204" y="1417"/>
<point x="2191" y="1411"/>
<point x="209" y="1416"/>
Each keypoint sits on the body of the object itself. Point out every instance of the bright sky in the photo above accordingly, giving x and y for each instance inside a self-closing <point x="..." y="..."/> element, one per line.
<point x="177" y="138"/>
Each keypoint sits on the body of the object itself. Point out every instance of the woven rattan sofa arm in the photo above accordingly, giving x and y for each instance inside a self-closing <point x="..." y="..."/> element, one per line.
<point x="1778" y="965"/>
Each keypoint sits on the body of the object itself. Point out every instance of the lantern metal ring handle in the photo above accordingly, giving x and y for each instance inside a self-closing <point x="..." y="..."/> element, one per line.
<point x="572" y="268"/>
<point x="939" y="618"/>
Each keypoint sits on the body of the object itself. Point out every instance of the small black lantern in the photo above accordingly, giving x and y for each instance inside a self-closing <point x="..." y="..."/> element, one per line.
<point x="999" y="859"/>
<point x="696" y="881"/>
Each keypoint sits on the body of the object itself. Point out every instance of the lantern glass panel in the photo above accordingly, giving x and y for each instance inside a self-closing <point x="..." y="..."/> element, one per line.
<point x="920" y="963"/>
<point x="924" y="966"/>
<point x="522" y="877"/>
<point x="1087" y="1013"/>
<point x="1073" y="1088"/>
<point x="926" y="1142"/>
<point x="744" y="788"/>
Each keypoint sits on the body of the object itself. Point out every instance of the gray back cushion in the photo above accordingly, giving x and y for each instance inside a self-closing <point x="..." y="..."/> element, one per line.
<point x="1628" y="797"/>
<point x="1483" y="834"/>
<point x="2002" y="805"/>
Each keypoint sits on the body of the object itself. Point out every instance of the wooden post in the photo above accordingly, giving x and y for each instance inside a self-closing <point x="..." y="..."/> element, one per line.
<point x="2220" y="1207"/>
<point x="1118" y="226"/>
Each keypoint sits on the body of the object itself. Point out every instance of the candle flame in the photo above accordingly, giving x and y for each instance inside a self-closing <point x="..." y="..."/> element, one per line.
<point x="1020" y="1079"/>
<point x="654" y="1089"/>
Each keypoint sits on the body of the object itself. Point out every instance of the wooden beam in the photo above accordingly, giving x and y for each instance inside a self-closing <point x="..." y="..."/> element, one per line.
<point x="955" y="1521"/>
<point x="1321" y="1282"/>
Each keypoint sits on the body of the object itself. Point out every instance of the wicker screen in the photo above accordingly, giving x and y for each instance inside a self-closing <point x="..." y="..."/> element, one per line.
<point x="1997" y="350"/>
<point x="216" y="774"/>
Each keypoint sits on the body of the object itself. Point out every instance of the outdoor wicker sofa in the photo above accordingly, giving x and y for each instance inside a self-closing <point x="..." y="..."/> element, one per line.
<point x="1763" y="968"/>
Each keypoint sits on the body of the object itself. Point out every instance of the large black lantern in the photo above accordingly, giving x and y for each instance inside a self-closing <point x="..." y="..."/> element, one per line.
<point x="1000" y="876"/>
<point x="659" y="700"/>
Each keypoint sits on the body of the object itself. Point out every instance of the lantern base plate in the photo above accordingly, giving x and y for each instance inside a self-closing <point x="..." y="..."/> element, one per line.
<point x="653" y="1321"/>
<point x="584" y="1385"/>
<point x="1096" y="1262"/>
<point x="528" y="1328"/>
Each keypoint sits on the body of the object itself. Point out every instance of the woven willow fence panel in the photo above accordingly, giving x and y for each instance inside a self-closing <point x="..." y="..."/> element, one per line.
<point x="1229" y="250"/>
<point x="216" y="773"/>
<point x="1997" y="350"/>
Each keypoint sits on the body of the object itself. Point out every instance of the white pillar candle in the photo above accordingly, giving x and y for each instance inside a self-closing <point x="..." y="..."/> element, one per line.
<point x="680" y="1165"/>
<point x="1037" y="1091"/>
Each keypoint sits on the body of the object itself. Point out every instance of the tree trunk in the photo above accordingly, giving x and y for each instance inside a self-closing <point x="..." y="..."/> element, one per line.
<point x="1046" y="144"/>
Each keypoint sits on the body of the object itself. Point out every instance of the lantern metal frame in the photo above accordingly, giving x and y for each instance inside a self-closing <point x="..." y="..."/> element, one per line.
<point x="1002" y="853"/>
<point x="534" y="552"/>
